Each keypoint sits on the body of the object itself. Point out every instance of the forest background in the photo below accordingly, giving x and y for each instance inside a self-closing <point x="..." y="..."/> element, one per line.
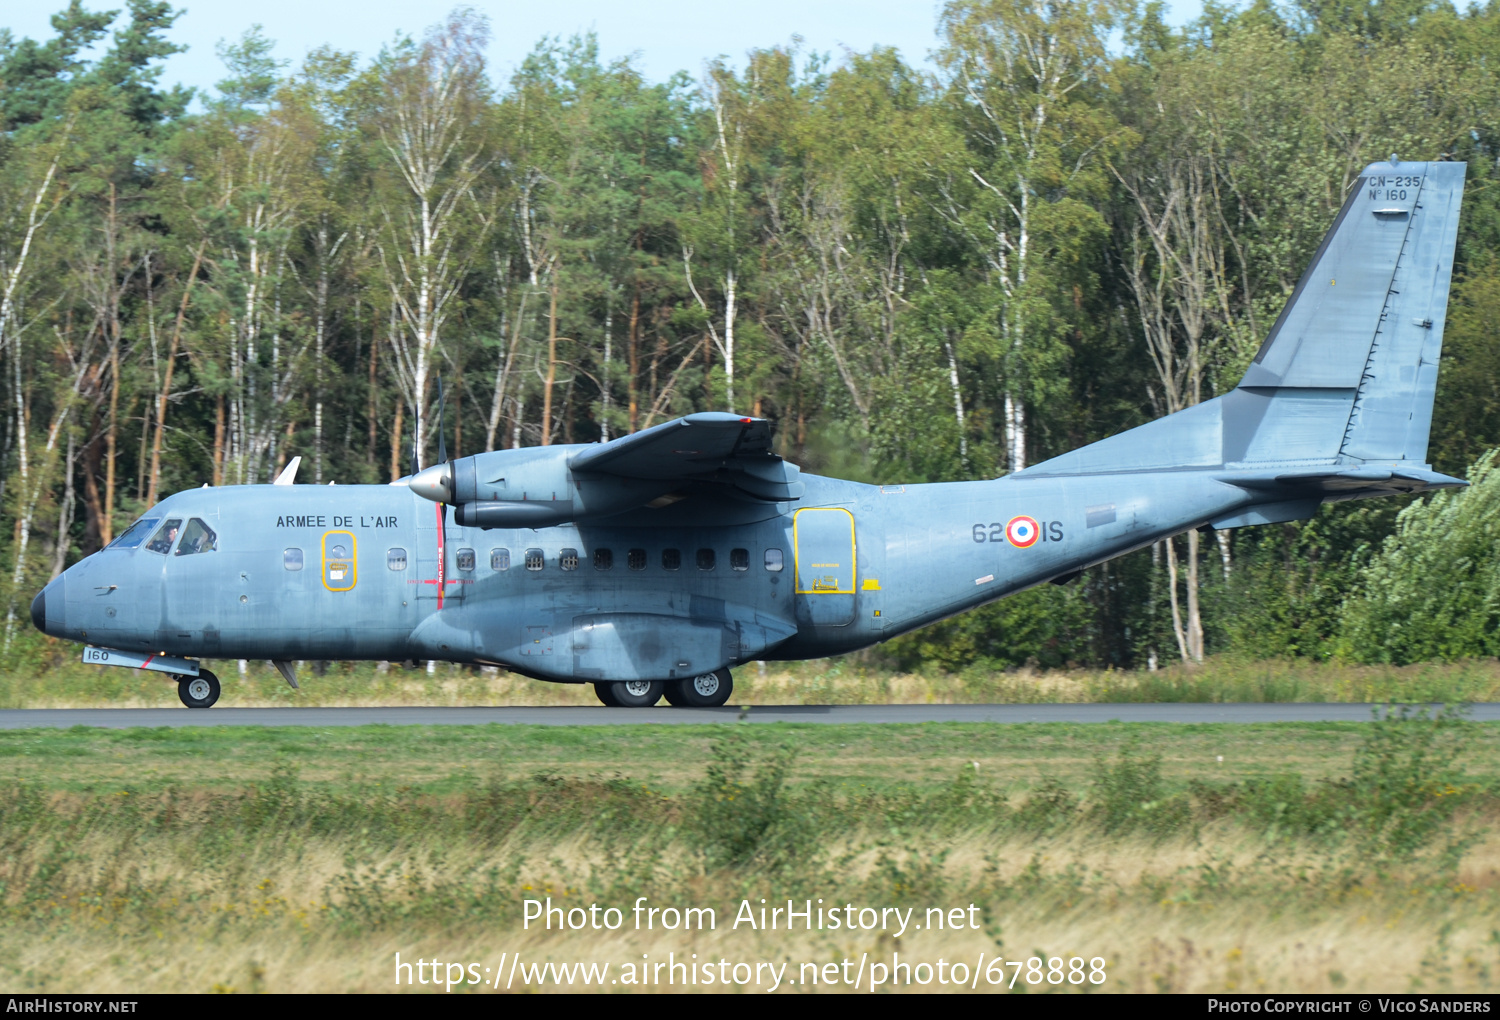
<point x="1074" y="220"/>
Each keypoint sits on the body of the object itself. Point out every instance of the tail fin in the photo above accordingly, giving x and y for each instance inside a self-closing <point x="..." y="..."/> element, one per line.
<point x="1347" y="375"/>
<point x="1360" y="338"/>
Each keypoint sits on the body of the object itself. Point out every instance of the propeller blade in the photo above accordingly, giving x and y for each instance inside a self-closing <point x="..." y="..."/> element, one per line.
<point x="442" y="443"/>
<point x="416" y="465"/>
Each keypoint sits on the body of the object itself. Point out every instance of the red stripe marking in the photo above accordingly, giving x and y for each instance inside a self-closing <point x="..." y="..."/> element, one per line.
<point x="442" y="556"/>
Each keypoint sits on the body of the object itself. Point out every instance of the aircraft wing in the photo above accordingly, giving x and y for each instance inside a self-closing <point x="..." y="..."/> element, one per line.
<point x="710" y="447"/>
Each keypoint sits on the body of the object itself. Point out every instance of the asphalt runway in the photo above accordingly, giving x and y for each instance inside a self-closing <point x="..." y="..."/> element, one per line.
<point x="125" y="718"/>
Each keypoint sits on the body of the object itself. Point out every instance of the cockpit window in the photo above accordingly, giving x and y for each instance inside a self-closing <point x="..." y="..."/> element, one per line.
<point x="197" y="537"/>
<point x="161" y="542"/>
<point x="135" y="534"/>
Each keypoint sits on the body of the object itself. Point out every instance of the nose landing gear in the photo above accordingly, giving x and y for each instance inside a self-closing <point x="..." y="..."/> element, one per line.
<point x="199" y="691"/>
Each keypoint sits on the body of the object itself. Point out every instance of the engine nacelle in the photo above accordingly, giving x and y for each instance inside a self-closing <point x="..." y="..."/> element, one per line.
<point x="529" y="488"/>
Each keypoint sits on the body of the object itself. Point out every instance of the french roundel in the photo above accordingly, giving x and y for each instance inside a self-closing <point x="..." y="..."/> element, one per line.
<point x="1022" y="532"/>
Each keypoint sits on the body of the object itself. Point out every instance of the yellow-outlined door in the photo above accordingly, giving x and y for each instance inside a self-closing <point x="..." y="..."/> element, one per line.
<point x="340" y="560"/>
<point x="824" y="565"/>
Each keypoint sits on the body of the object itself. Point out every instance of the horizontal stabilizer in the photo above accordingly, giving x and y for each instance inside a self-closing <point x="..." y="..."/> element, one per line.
<point x="1356" y="480"/>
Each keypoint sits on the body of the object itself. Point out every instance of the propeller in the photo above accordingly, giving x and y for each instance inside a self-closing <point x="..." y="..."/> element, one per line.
<point x="442" y="443"/>
<point x="416" y="465"/>
<point x="434" y="483"/>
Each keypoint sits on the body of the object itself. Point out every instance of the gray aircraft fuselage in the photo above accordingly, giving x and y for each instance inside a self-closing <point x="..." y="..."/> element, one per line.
<point x="688" y="548"/>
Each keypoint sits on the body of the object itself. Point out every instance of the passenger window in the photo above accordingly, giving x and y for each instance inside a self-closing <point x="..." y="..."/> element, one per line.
<point x="197" y="537"/>
<point x="394" y="558"/>
<point x="534" y="559"/>
<point x="636" y="559"/>
<point x="671" y="559"/>
<point x="567" y="559"/>
<point x="773" y="560"/>
<point x="739" y="559"/>
<point x="705" y="559"/>
<point x="292" y="559"/>
<point x="464" y="559"/>
<point x="161" y="542"/>
<point x="339" y="551"/>
<point x="135" y="534"/>
<point x="499" y="559"/>
<point x="604" y="559"/>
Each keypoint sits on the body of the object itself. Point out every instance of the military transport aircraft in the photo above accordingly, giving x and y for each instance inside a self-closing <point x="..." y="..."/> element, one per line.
<point x="651" y="564"/>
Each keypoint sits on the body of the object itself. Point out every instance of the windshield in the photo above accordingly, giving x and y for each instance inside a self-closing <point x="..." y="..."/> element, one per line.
<point x="197" y="537"/>
<point x="165" y="536"/>
<point x="135" y="534"/>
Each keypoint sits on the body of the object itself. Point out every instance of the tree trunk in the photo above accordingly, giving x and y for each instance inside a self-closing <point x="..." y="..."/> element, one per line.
<point x="958" y="406"/>
<point x="219" y="440"/>
<point x="634" y="358"/>
<point x="166" y="390"/>
<point x="551" y="365"/>
<point x="374" y="407"/>
<point x="110" y="433"/>
<point x="1194" y="618"/>
<point x="396" y="441"/>
<point x="65" y="515"/>
<point x="1177" y="628"/>
<point x="92" y="501"/>
<point x="729" y="317"/>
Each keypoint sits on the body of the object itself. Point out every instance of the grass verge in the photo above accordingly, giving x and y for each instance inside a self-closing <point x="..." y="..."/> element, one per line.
<point x="1312" y="858"/>
<point x="839" y="681"/>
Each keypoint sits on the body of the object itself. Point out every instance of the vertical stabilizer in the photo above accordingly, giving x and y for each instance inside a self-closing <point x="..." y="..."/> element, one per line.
<point x="1361" y="336"/>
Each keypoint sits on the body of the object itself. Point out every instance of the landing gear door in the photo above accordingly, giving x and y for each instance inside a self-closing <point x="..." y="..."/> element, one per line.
<point x="823" y="539"/>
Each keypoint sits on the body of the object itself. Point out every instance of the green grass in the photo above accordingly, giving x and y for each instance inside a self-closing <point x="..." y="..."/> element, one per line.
<point x="438" y="759"/>
<point x="56" y="679"/>
<point x="291" y="859"/>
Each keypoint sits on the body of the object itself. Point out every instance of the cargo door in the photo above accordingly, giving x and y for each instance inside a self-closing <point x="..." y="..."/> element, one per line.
<point x="823" y="541"/>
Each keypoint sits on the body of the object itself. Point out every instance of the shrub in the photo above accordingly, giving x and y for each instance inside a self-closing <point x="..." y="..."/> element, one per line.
<point x="742" y="813"/>
<point x="1433" y="591"/>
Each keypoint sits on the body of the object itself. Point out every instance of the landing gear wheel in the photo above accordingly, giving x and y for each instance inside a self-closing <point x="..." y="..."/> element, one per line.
<point x="708" y="690"/>
<point x="606" y="694"/>
<point x="199" y="691"/>
<point x="637" y="693"/>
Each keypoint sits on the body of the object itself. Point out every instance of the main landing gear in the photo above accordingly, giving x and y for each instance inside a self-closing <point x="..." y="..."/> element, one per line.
<point x="199" y="691"/>
<point x="709" y="690"/>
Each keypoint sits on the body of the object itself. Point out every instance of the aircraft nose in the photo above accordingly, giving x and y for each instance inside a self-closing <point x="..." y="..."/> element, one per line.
<point x="50" y="596"/>
<point x="432" y="483"/>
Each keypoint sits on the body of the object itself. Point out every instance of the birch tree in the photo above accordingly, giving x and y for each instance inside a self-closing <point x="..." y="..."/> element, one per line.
<point x="1015" y="69"/>
<point x="431" y="127"/>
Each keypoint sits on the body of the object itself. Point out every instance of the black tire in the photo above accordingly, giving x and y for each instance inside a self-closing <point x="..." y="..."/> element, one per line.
<point x="199" y="691"/>
<point x="606" y="694"/>
<point x="637" y="693"/>
<point x="709" y="690"/>
<point x="672" y="690"/>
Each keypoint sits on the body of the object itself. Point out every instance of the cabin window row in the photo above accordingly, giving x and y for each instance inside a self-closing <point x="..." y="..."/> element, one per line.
<point x="568" y="559"/>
